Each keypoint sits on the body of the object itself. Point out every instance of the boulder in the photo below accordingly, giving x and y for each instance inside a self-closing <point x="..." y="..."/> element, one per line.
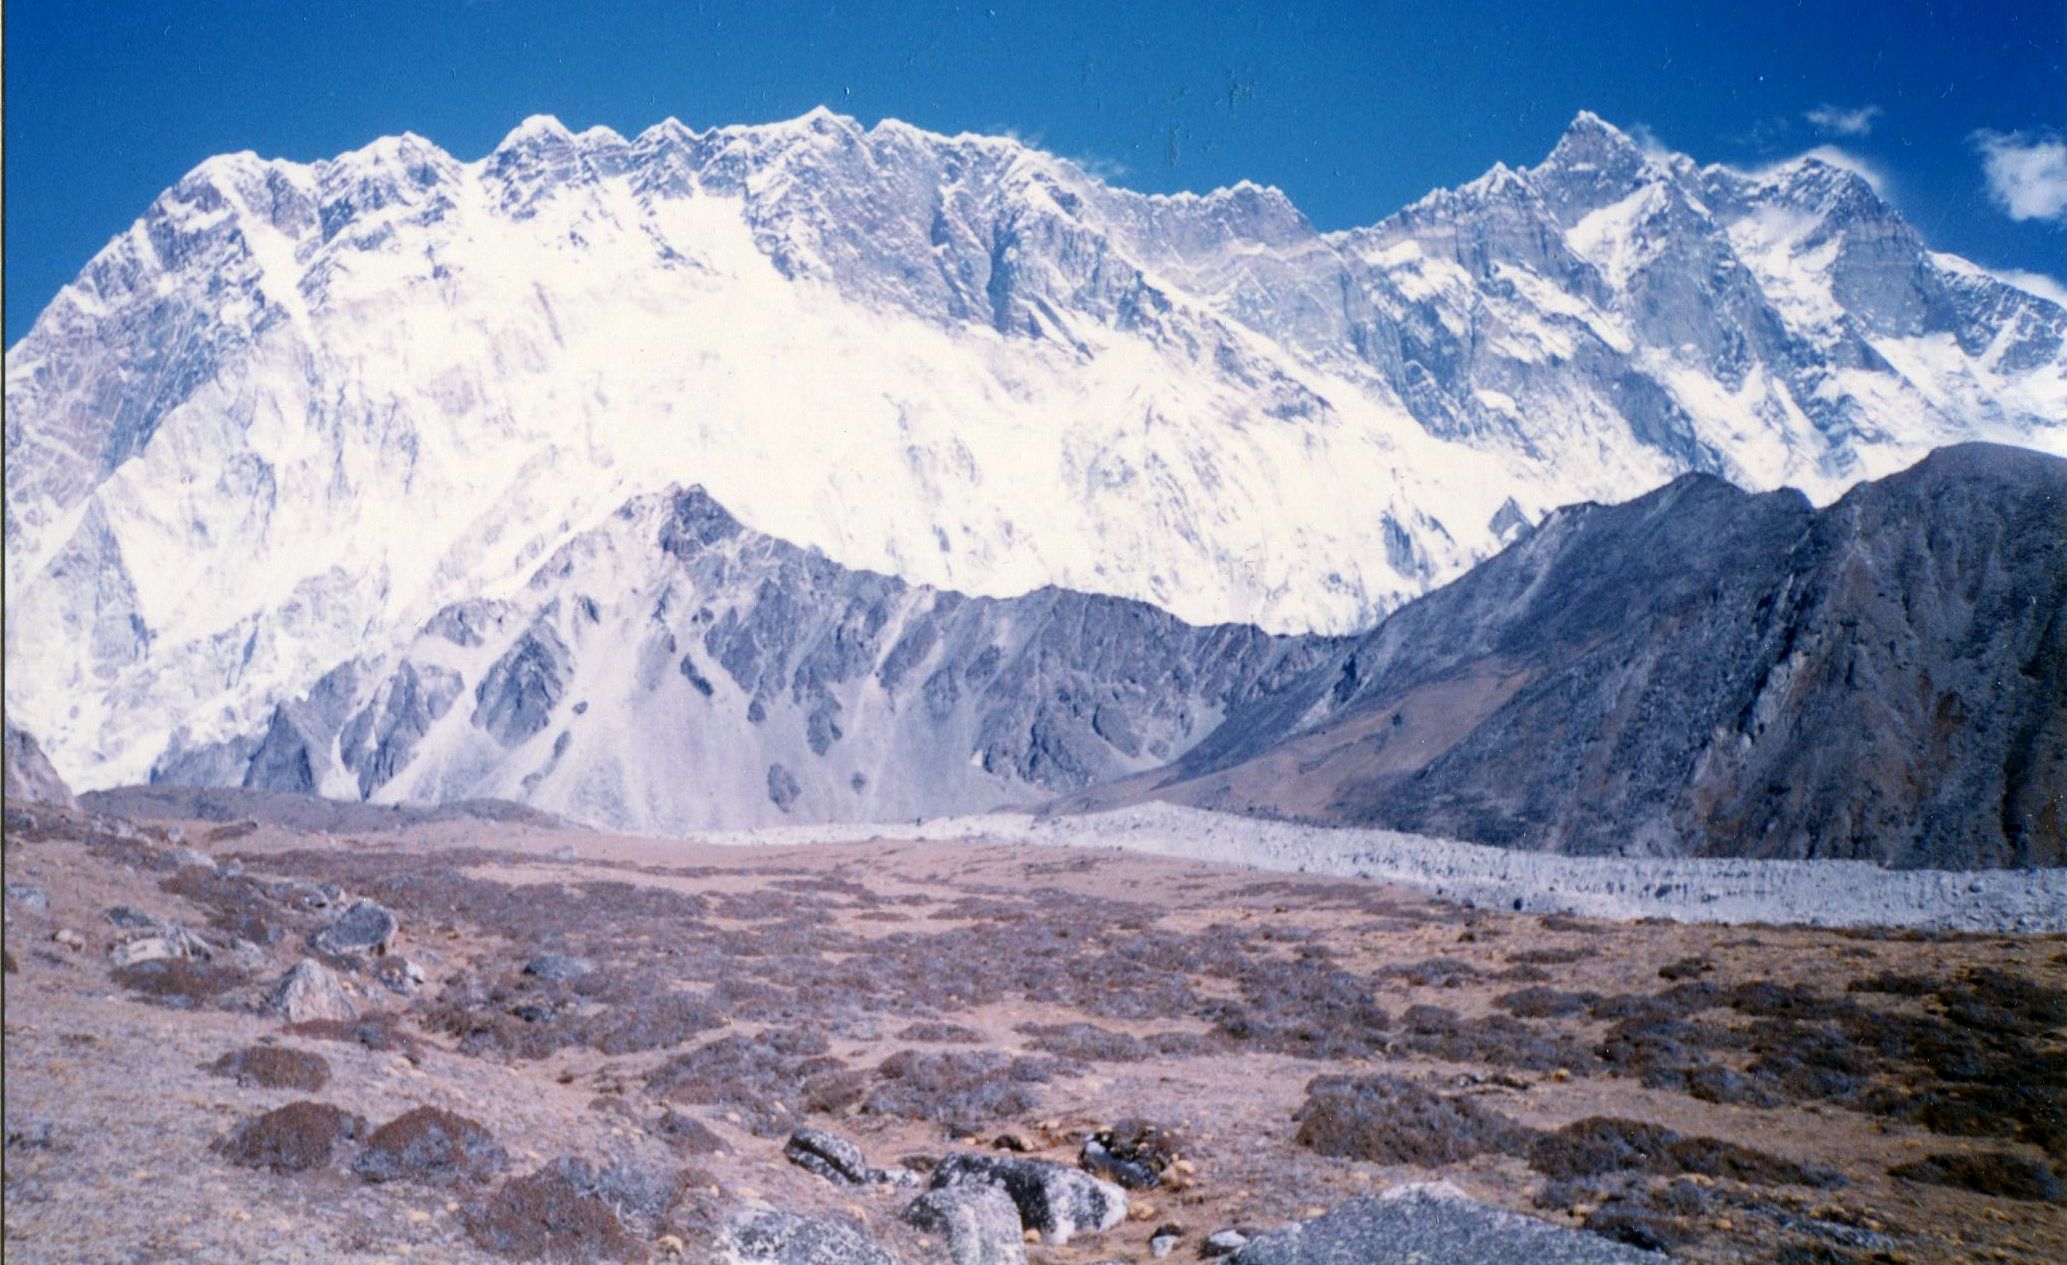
<point x="827" y="1154"/>
<point x="557" y="968"/>
<point x="1133" y="1153"/>
<point x="148" y="949"/>
<point x="363" y="927"/>
<point x="979" y="1221"/>
<point x="137" y="920"/>
<point x="1059" y="1201"/>
<point x="765" y="1236"/>
<point x="311" y="991"/>
<point x="1434" y="1223"/>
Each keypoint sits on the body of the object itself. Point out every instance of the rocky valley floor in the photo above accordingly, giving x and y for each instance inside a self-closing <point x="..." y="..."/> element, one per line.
<point x="498" y="1041"/>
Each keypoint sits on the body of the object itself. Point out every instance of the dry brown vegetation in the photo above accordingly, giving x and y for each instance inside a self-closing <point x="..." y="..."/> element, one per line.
<point x="1733" y="1094"/>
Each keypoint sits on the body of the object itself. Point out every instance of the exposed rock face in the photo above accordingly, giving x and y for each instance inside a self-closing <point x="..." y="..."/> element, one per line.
<point x="1434" y="1223"/>
<point x="739" y="680"/>
<point x="29" y="775"/>
<point x="1709" y="671"/>
<point x="1056" y="1200"/>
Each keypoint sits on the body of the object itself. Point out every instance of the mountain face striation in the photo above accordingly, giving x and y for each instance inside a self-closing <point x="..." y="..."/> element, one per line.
<point x="1706" y="671"/>
<point x="672" y="671"/>
<point x="297" y="410"/>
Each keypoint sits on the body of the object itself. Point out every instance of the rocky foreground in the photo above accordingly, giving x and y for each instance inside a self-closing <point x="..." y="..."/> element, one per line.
<point x="490" y="1041"/>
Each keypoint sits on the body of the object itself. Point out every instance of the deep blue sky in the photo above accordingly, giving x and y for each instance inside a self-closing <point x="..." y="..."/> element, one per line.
<point x="1354" y="109"/>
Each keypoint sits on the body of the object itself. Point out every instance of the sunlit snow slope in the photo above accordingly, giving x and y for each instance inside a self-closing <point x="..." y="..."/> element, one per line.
<point x="297" y="409"/>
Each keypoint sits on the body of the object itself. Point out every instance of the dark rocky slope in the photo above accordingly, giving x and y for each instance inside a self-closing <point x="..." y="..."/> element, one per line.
<point x="1706" y="671"/>
<point x="29" y="775"/>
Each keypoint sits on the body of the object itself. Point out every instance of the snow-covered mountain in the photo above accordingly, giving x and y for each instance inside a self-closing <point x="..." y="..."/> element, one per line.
<point x="297" y="409"/>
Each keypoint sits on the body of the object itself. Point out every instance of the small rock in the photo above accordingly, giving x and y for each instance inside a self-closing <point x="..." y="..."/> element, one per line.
<point x="398" y="974"/>
<point x="672" y="1244"/>
<point x="364" y="927"/>
<point x="69" y="938"/>
<point x="1222" y="1243"/>
<point x="1164" y="1241"/>
<point x="128" y="919"/>
<point x="185" y="858"/>
<point x="555" y="968"/>
<point x="1012" y="1142"/>
<point x="246" y="956"/>
<point x="827" y="1154"/>
<point x="311" y="991"/>
<point x="980" y="1222"/>
<point x="148" y="949"/>
<point x="27" y="896"/>
<point x="1134" y="1153"/>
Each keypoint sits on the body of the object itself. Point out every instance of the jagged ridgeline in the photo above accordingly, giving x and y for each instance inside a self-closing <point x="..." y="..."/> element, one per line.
<point x="673" y="670"/>
<point x="299" y="408"/>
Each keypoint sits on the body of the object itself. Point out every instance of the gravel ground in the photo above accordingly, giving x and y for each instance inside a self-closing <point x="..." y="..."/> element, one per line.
<point x="1809" y="893"/>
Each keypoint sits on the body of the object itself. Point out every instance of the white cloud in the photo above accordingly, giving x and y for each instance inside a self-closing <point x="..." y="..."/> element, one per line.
<point x="1846" y="160"/>
<point x="2027" y="175"/>
<point x="1837" y="120"/>
<point x="2037" y="283"/>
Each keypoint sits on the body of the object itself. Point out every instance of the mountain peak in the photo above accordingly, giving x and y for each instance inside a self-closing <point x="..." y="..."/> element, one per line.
<point x="1588" y="137"/>
<point x="820" y="118"/>
<point x="536" y="129"/>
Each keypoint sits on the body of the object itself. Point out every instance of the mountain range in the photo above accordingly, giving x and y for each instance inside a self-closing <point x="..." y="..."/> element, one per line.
<point x="363" y="475"/>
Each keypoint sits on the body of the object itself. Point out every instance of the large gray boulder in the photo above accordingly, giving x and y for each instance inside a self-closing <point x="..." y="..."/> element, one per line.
<point x="1059" y="1201"/>
<point x="311" y="991"/>
<point x="1433" y="1223"/>
<point x="769" y="1237"/>
<point x="979" y="1221"/>
<point x="364" y="927"/>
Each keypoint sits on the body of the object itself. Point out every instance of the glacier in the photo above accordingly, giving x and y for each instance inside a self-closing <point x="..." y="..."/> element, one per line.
<point x="298" y="409"/>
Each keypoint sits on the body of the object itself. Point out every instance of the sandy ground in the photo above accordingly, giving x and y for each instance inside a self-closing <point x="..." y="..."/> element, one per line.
<point x="112" y="1117"/>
